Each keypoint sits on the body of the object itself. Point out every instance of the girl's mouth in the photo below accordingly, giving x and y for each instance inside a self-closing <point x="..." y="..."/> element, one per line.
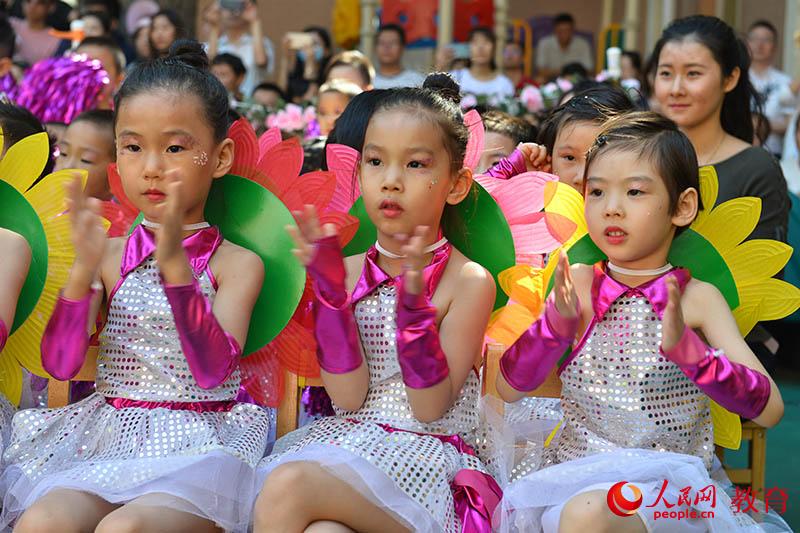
<point x="615" y="235"/>
<point x="390" y="208"/>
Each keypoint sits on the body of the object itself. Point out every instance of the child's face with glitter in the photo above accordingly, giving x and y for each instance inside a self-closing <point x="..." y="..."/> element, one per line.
<point x="161" y="138"/>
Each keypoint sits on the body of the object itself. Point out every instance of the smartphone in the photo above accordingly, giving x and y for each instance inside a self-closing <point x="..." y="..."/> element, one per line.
<point x="300" y="40"/>
<point x="234" y="6"/>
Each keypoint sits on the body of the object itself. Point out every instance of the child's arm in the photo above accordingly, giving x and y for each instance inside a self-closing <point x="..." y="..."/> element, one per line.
<point x="13" y="271"/>
<point x="211" y="337"/>
<point x="527" y="157"/>
<point x="526" y="364"/>
<point x="436" y="363"/>
<point x="66" y="337"/>
<point x="730" y="374"/>
<point x="339" y="351"/>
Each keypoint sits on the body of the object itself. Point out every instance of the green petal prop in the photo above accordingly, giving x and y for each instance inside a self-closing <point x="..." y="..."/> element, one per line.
<point x="252" y="217"/>
<point x="17" y="214"/>
<point x="689" y="250"/>
<point x="481" y="233"/>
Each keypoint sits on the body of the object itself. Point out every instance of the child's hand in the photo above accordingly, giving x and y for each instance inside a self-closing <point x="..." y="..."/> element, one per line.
<point x="564" y="289"/>
<point x="415" y="260"/>
<point x="672" y="323"/>
<point x="88" y="234"/>
<point x="536" y="157"/>
<point x="307" y="233"/>
<point x="169" y="254"/>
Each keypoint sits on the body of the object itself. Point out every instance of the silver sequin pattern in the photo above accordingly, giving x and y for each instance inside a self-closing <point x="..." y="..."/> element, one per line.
<point x="620" y="392"/>
<point x="109" y="450"/>
<point x="422" y="466"/>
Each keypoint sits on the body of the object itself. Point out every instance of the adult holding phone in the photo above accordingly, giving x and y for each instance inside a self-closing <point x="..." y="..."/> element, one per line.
<point x="305" y="56"/>
<point x="235" y="28"/>
<point x="482" y="77"/>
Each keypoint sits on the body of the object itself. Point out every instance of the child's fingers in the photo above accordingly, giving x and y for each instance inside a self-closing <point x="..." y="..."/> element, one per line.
<point x="329" y="230"/>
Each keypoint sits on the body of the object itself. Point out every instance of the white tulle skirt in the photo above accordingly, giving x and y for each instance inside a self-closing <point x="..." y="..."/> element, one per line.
<point x="198" y="462"/>
<point x="407" y="474"/>
<point x="534" y="502"/>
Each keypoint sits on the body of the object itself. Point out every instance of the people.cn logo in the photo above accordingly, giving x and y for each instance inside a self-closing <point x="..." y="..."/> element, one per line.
<point x="619" y="504"/>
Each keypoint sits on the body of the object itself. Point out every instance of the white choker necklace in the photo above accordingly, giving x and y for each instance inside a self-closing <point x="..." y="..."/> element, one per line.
<point x="188" y="227"/>
<point x="428" y="249"/>
<point x="630" y="272"/>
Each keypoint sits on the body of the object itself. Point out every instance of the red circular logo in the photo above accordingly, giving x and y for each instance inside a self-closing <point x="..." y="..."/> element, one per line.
<point x="619" y="504"/>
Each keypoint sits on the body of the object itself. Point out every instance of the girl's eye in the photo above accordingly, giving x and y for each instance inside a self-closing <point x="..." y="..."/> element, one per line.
<point x="85" y="162"/>
<point x="596" y="193"/>
<point x="635" y="192"/>
<point x="132" y="148"/>
<point x="62" y="153"/>
<point x="175" y="149"/>
<point x="416" y="164"/>
<point x="374" y="162"/>
<point x="693" y="73"/>
<point x="568" y="157"/>
<point x="664" y="74"/>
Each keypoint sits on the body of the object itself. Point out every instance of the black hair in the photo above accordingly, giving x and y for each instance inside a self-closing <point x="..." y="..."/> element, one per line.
<point x="100" y="118"/>
<point x="563" y="18"/>
<point x="184" y="71"/>
<point x="177" y="23"/>
<point x="8" y="39"/>
<point x="636" y="59"/>
<point x="395" y="28"/>
<point x="111" y="45"/>
<point x="762" y="23"/>
<point x="490" y="35"/>
<point x="574" y="69"/>
<point x="761" y="128"/>
<point x="267" y="86"/>
<point x="657" y="139"/>
<point x="730" y="53"/>
<point x="324" y="36"/>
<point x="351" y="126"/>
<point x="18" y="123"/>
<point x="353" y="59"/>
<point x="111" y="6"/>
<point x="596" y="104"/>
<point x="105" y="20"/>
<point x="519" y="130"/>
<point x="233" y="61"/>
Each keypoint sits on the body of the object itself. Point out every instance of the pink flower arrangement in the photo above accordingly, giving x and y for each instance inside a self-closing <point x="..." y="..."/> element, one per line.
<point x="531" y="97"/>
<point x="564" y="84"/>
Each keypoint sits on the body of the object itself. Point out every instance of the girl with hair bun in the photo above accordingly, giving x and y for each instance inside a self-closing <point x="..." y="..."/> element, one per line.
<point x="162" y="445"/>
<point x="399" y="332"/>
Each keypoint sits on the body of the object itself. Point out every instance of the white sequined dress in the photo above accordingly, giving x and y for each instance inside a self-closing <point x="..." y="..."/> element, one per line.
<point x="627" y="414"/>
<point x="198" y="460"/>
<point x="399" y="463"/>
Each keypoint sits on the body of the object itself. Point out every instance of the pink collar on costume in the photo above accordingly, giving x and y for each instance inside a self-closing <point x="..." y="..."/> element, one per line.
<point x="199" y="248"/>
<point x="372" y="275"/>
<point x="605" y="290"/>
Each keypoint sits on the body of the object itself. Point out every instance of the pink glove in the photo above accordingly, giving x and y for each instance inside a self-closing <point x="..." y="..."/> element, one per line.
<point x="338" y="345"/>
<point x="212" y="353"/>
<point x="3" y="334"/>
<point x="526" y="364"/>
<point x="734" y="386"/>
<point x="65" y="340"/>
<point x="422" y="361"/>
<point x="509" y="167"/>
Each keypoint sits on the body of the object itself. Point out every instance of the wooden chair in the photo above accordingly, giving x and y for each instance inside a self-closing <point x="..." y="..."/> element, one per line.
<point x="753" y="475"/>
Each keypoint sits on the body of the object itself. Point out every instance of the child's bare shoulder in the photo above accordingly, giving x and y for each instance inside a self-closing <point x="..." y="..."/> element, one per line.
<point x="467" y="272"/>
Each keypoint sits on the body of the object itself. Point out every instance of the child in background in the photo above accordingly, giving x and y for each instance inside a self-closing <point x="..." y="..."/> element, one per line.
<point x="230" y="71"/>
<point x="333" y="99"/>
<point x="88" y="144"/>
<point x="33" y="34"/>
<point x="503" y="134"/>
<point x="352" y="66"/>
<point x="111" y="56"/>
<point x="269" y="95"/>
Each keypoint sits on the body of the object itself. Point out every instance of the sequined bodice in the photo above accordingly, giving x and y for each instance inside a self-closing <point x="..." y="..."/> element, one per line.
<point x="386" y="401"/>
<point x="620" y="392"/>
<point x="140" y="351"/>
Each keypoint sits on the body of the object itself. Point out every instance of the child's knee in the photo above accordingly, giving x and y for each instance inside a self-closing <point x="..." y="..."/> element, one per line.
<point x="587" y="511"/>
<point x="42" y="519"/>
<point x="290" y="484"/>
<point x="121" y="521"/>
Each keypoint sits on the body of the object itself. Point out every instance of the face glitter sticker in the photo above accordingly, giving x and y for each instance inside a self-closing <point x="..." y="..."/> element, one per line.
<point x="201" y="159"/>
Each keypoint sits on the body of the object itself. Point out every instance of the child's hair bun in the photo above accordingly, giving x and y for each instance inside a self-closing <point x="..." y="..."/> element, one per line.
<point x="444" y="85"/>
<point x="190" y="53"/>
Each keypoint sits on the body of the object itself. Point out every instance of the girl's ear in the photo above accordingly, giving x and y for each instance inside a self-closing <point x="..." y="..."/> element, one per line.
<point x="461" y="186"/>
<point x="729" y="83"/>
<point x="224" y="159"/>
<point x="686" y="210"/>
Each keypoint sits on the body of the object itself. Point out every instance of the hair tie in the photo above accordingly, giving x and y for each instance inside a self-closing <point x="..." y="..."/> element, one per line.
<point x="601" y="140"/>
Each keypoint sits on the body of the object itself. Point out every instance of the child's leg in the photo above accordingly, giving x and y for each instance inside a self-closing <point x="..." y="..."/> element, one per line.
<point x="64" y="510"/>
<point x="589" y="511"/>
<point x="326" y="526"/>
<point x="296" y="495"/>
<point x="145" y="514"/>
